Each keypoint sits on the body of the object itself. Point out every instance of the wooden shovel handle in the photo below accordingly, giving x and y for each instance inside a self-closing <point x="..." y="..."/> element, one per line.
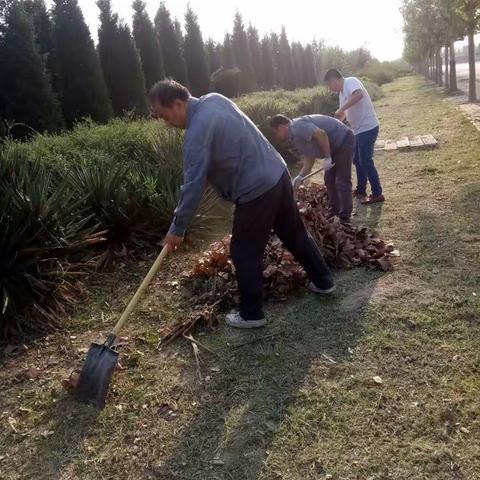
<point x="134" y="301"/>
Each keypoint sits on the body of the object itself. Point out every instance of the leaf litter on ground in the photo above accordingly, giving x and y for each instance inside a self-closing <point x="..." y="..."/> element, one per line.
<point x="211" y="283"/>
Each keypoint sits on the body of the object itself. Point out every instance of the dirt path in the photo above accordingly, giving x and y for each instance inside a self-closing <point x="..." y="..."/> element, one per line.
<point x="380" y="381"/>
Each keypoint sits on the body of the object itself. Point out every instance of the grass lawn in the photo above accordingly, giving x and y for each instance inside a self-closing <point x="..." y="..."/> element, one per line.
<point x="301" y="403"/>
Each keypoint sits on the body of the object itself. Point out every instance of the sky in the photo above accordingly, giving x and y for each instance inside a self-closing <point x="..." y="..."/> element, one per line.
<point x="376" y="24"/>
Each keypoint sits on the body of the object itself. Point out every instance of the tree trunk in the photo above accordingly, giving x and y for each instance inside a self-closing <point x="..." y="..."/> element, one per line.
<point x="447" y="77"/>
<point x="432" y="67"/>
<point x="440" y="68"/>
<point x="472" y="89"/>
<point x="453" y="68"/>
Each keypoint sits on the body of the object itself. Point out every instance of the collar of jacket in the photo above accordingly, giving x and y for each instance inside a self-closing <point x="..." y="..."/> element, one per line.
<point x="191" y="108"/>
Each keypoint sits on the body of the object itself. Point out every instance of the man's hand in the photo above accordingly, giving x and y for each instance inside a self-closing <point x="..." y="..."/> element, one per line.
<point x="340" y="114"/>
<point x="173" y="242"/>
<point x="327" y="164"/>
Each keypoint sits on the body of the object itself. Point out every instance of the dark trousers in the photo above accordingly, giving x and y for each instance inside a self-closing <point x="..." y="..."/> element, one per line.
<point x="252" y="225"/>
<point x="364" y="164"/>
<point x="338" y="179"/>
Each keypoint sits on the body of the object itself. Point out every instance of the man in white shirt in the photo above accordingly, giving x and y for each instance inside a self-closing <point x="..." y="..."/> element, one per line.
<point x="357" y="108"/>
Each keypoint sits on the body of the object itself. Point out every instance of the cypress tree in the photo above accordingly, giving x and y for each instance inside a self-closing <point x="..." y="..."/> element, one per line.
<point x="298" y="61"/>
<point x="120" y="63"/>
<point x="318" y="49"/>
<point x="242" y="55"/>
<point x="81" y="86"/>
<point x="285" y="57"/>
<point x="147" y="43"/>
<point x="214" y="56"/>
<point x="195" y="55"/>
<point x="42" y="26"/>
<point x="277" y="63"/>
<point x="26" y="95"/>
<point x="267" y="61"/>
<point x="228" y="59"/>
<point x="310" y="75"/>
<point x="170" y="45"/>
<point x="178" y="32"/>
<point x="256" y="54"/>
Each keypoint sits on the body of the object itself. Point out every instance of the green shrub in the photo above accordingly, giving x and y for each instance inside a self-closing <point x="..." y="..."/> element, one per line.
<point x="226" y="81"/>
<point x="384" y="72"/>
<point x="44" y="232"/>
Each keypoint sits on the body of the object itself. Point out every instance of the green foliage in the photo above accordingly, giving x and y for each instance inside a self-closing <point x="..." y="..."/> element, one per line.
<point x="170" y="45"/>
<point x="120" y="63"/>
<point x="228" y="60"/>
<point x="26" y="95"/>
<point x="256" y="55"/>
<point x="43" y="28"/>
<point x="59" y="193"/>
<point x="213" y="52"/>
<point x="242" y="56"/>
<point x="147" y="43"/>
<point x="260" y="106"/>
<point x="195" y="58"/>
<point x="309" y="65"/>
<point x="43" y="235"/>
<point x="267" y="62"/>
<point x="285" y="65"/>
<point x="227" y="81"/>
<point x="384" y="72"/>
<point x="276" y="61"/>
<point x="81" y="87"/>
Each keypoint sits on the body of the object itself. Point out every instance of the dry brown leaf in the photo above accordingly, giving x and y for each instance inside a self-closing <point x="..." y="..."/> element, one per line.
<point x="71" y="382"/>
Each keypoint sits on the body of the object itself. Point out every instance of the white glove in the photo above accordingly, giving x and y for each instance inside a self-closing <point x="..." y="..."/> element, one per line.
<point x="327" y="164"/>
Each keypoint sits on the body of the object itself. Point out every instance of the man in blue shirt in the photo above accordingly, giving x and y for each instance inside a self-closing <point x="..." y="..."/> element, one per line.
<point x="224" y="148"/>
<point x="319" y="136"/>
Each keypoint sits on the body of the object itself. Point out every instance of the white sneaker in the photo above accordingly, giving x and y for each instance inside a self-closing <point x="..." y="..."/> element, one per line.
<point x="313" y="288"/>
<point x="235" y="320"/>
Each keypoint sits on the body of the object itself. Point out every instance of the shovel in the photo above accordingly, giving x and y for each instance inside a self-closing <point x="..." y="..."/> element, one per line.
<point x="102" y="359"/>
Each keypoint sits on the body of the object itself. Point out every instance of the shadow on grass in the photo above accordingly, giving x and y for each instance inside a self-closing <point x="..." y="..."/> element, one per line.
<point x="367" y="215"/>
<point x="263" y="373"/>
<point x="67" y="425"/>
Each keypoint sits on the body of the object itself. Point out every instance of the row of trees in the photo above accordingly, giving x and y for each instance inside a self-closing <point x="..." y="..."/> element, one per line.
<point x="52" y="74"/>
<point x="431" y="29"/>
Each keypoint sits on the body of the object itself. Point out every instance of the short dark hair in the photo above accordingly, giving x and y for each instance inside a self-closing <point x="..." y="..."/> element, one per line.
<point x="332" y="74"/>
<point x="167" y="91"/>
<point x="278" y="120"/>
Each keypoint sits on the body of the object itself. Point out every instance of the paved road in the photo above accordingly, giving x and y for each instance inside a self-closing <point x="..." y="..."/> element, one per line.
<point x="462" y="77"/>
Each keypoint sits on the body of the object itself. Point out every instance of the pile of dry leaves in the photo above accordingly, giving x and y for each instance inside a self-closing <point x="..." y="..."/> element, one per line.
<point x="212" y="280"/>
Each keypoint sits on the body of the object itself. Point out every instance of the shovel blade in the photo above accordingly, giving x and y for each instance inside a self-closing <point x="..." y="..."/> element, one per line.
<point x="96" y="375"/>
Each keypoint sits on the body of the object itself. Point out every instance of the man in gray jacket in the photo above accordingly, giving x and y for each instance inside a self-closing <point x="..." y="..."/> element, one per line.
<point x="319" y="136"/>
<point x="224" y="148"/>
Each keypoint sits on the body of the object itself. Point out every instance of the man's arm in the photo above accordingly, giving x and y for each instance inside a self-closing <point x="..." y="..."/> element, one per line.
<point x="196" y="162"/>
<point x="357" y="95"/>
<point x="307" y="166"/>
